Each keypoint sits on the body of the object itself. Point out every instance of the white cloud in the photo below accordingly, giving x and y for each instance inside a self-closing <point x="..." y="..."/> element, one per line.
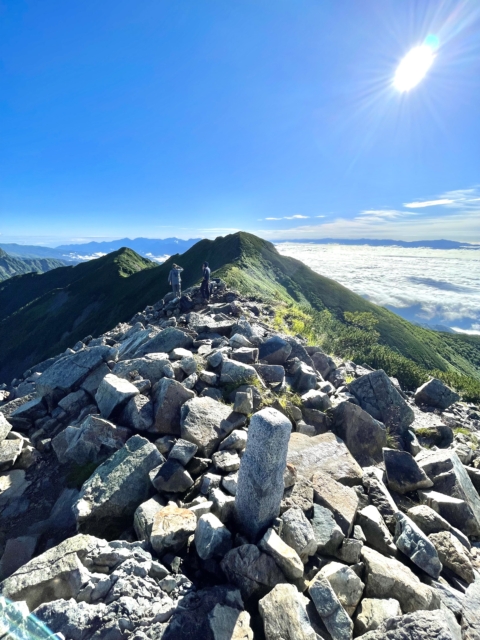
<point x="295" y="217"/>
<point x="427" y="203"/>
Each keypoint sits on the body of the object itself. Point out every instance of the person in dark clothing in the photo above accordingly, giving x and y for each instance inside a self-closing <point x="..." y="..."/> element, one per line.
<point x="175" y="280"/>
<point x="205" y="286"/>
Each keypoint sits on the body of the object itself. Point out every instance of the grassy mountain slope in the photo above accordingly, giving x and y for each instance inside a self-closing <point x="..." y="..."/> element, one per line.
<point x="11" y="266"/>
<point x="41" y="315"/>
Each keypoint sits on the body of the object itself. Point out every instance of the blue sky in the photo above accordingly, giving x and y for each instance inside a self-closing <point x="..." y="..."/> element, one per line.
<point x="194" y="118"/>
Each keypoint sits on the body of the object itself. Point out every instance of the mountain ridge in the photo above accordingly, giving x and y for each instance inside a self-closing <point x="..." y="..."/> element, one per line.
<point x="10" y="266"/>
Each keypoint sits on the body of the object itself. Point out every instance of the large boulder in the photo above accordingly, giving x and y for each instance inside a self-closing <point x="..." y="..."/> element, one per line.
<point x="436" y="394"/>
<point x="275" y="350"/>
<point x="377" y="395"/>
<point x="403" y="473"/>
<point x="411" y="541"/>
<point x="234" y="374"/>
<point x="364" y="436"/>
<point x="94" y="440"/>
<point x="389" y="578"/>
<point x="113" y="393"/>
<point x="109" y="498"/>
<point x="340" y="500"/>
<point x="260" y="478"/>
<point x="253" y="572"/>
<point x="284" y="614"/>
<point x="325" y="452"/>
<point x="151" y="367"/>
<point x="56" y="573"/>
<point x="420" y="625"/>
<point x="206" y="422"/>
<point x="329" y="608"/>
<point x="171" y="528"/>
<point x="138" y="413"/>
<point x="169" y="396"/>
<point x="165" y="341"/>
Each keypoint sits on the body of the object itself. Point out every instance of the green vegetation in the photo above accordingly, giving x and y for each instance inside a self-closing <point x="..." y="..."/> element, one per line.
<point x="41" y="315"/>
<point x="11" y="266"/>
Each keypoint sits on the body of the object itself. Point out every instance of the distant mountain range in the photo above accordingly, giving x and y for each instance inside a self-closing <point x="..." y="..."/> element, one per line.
<point x="12" y="266"/>
<point x="428" y="244"/>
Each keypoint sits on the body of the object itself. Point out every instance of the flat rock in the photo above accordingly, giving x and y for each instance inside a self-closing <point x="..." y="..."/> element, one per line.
<point x="167" y="340"/>
<point x="255" y="573"/>
<point x="172" y="526"/>
<point x="206" y="422"/>
<point x="284" y="614"/>
<point x="341" y="500"/>
<point x="325" y="452"/>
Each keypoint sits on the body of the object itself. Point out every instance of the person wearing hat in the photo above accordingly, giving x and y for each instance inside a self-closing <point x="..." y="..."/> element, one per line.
<point x="205" y="286"/>
<point x="175" y="280"/>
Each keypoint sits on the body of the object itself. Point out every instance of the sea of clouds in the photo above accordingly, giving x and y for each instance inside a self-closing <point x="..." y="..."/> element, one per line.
<point x="427" y="286"/>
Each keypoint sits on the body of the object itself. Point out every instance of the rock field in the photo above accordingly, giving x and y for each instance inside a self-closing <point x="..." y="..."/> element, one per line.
<point x="194" y="474"/>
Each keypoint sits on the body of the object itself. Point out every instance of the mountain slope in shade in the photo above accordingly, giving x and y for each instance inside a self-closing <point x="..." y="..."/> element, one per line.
<point x="11" y="266"/>
<point x="41" y="315"/>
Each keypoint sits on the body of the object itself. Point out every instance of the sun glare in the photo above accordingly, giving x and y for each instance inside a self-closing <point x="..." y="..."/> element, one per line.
<point x="413" y="68"/>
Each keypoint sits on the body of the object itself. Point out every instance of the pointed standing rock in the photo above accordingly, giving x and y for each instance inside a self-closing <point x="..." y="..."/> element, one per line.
<point x="260" y="478"/>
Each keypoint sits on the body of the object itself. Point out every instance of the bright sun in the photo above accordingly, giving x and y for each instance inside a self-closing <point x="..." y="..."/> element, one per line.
<point x="413" y="67"/>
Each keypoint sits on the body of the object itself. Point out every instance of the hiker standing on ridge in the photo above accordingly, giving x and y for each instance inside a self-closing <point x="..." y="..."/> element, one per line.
<point x="175" y="280"/>
<point x="205" y="286"/>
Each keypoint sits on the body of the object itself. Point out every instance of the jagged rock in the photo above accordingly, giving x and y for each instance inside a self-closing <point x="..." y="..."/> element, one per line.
<point x="169" y="397"/>
<point x="364" y="436"/>
<point x="113" y="393"/>
<point x="226" y="461"/>
<point x="151" y="367"/>
<point x="26" y="414"/>
<point x="298" y="533"/>
<point x="235" y="374"/>
<point x="238" y="340"/>
<point x="347" y="585"/>
<point x="420" y="625"/>
<point x="109" y="498"/>
<point x="73" y="620"/>
<point x="372" y="612"/>
<point x="172" y="526"/>
<point x="284" y="614"/>
<point x="260" y="479"/>
<point x="183" y="451"/>
<point x="430" y="521"/>
<point x="253" y="572"/>
<point x="145" y="515"/>
<point x="300" y="495"/>
<point x="94" y="440"/>
<point x="377" y="395"/>
<point x="247" y="355"/>
<point x="323" y="364"/>
<point x="212" y="538"/>
<point x="18" y="551"/>
<point x="349" y="551"/>
<point x="341" y="500"/>
<point x="5" y="427"/>
<point x="375" y="530"/>
<point x="415" y="545"/>
<point x="450" y="478"/>
<point x="243" y="402"/>
<point x="403" y="473"/>
<point x="314" y="399"/>
<point x="236" y="441"/>
<point x="206" y="422"/>
<point x="167" y="340"/>
<point x="172" y="477"/>
<point x="285" y="556"/>
<point x="325" y="452"/>
<point x="16" y="622"/>
<point x="275" y="350"/>
<point x="74" y="402"/>
<point x="436" y="394"/>
<point x="57" y="573"/>
<point x="138" y="413"/>
<point x="227" y="622"/>
<point x="453" y="555"/>
<point x="273" y="374"/>
<point x="470" y="617"/>
<point x="70" y="371"/>
<point x="9" y="452"/>
<point x="389" y="578"/>
<point x="328" y="535"/>
<point x="230" y="482"/>
<point x="329" y="609"/>
<point x="93" y="380"/>
<point x="379" y="495"/>
<point x="223" y="506"/>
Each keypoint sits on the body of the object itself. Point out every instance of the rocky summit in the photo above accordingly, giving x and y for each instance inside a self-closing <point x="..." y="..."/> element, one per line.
<point x="197" y="474"/>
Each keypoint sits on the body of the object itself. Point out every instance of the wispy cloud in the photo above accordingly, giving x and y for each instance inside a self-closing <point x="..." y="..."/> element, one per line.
<point x="427" y="203"/>
<point x="295" y="217"/>
<point x="384" y="214"/>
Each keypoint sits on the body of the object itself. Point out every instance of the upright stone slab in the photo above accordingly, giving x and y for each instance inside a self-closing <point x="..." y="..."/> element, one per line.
<point x="260" y="478"/>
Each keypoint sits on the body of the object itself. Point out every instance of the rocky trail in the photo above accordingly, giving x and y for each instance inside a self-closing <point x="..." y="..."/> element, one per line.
<point x="194" y="474"/>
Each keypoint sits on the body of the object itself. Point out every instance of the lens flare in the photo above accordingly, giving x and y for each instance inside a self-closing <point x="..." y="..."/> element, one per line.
<point x="413" y="68"/>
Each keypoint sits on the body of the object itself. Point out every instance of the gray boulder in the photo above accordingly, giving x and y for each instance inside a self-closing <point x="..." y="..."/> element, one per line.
<point x="334" y="616"/>
<point x="285" y="556"/>
<point x="430" y="521"/>
<point x="379" y="495"/>
<point x="453" y="555"/>
<point x="415" y="545"/>
<point x="378" y="397"/>
<point x="171" y="528"/>
<point x="284" y="614"/>
<point x="165" y="341"/>
<point x="18" y="551"/>
<point x="253" y="572"/>
<point x="323" y="364"/>
<point x="364" y="436"/>
<point x="235" y="374"/>
<point x="212" y="538"/>
<point x="113" y="393"/>
<point x="172" y="477"/>
<point x="183" y="451"/>
<point x="372" y="612"/>
<point x="151" y="367"/>
<point x="206" y="422"/>
<point x="436" y="394"/>
<point x="470" y="617"/>
<point x="227" y="622"/>
<point x="169" y="397"/>
<point x="403" y="473"/>
<point x="138" y="413"/>
<point x="260" y="478"/>
<point x="345" y="582"/>
<point x="94" y="440"/>
<point x="298" y="533"/>
<point x="275" y="350"/>
<point x="375" y="530"/>
<point x="315" y="399"/>
<point x="341" y="500"/>
<point x="109" y="498"/>
<point x="9" y="452"/>
<point x="273" y="374"/>
<point x="328" y="535"/>
<point x="145" y="515"/>
<point x="420" y="625"/>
